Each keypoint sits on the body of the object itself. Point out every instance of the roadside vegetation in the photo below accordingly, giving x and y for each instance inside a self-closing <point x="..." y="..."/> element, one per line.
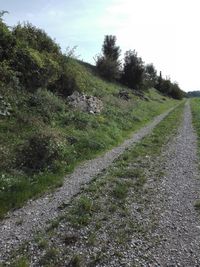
<point x="42" y="137"/>
<point x="98" y="225"/>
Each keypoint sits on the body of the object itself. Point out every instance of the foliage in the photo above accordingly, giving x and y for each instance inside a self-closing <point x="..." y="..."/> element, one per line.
<point x="108" y="64"/>
<point x="109" y="49"/>
<point x="46" y="103"/>
<point x="35" y="38"/>
<point x="108" y="68"/>
<point x="66" y="83"/>
<point x="35" y="69"/>
<point x="133" y="70"/>
<point x="40" y="151"/>
<point x="8" y="77"/>
<point x="7" y="42"/>
<point x="150" y="76"/>
<point x="166" y="87"/>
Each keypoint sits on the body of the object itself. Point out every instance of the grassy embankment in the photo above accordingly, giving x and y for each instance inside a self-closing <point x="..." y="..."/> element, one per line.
<point x="43" y="130"/>
<point x="101" y="219"/>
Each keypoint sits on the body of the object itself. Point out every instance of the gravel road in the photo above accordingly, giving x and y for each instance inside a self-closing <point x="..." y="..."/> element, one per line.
<point x="179" y="223"/>
<point x="21" y="224"/>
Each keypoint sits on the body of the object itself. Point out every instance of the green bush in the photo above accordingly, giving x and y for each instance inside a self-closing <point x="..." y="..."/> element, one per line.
<point x="41" y="151"/>
<point x="46" y="103"/>
<point x="8" y="77"/>
<point x="35" y="38"/>
<point x="7" y="42"/>
<point x="34" y="68"/>
<point x="108" y="68"/>
<point x="66" y="83"/>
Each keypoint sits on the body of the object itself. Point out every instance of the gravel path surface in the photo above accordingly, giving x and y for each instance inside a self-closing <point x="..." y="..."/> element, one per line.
<point x="21" y="224"/>
<point x="179" y="223"/>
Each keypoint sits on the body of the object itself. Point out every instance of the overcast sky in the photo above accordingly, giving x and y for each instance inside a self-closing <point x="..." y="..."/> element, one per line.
<point x="164" y="32"/>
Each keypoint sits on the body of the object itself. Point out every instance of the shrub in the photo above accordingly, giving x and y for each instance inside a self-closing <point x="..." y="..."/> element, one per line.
<point x="41" y="151"/>
<point x="108" y="68"/>
<point x="120" y="190"/>
<point x="35" y="38"/>
<point x="46" y="103"/>
<point x="7" y="42"/>
<point x="66" y="83"/>
<point x="8" y="76"/>
<point x="35" y="69"/>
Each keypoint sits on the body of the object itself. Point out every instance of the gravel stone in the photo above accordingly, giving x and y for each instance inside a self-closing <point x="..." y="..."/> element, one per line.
<point x="180" y="189"/>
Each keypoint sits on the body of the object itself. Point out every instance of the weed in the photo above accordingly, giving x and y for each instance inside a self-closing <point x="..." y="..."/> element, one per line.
<point x="76" y="261"/>
<point x="197" y="205"/>
<point x="21" y="262"/>
<point x="42" y="243"/>
<point x="54" y="224"/>
<point x="120" y="190"/>
<point x="80" y="213"/>
<point x="49" y="257"/>
<point x="70" y="239"/>
<point x="92" y="239"/>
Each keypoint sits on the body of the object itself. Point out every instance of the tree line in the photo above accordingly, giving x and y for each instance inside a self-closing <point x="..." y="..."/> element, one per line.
<point x="133" y="72"/>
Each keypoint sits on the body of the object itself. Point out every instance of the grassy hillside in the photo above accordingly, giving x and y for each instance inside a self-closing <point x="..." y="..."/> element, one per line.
<point x="44" y="131"/>
<point x="41" y="136"/>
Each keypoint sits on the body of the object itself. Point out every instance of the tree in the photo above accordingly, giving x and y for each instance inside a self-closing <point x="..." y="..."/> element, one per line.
<point x="109" y="49"/>
<point x="108" y="64"/>
<point x="2" y="13"/>
<point x="150" y="75"/>
<point x="133" y="70"/>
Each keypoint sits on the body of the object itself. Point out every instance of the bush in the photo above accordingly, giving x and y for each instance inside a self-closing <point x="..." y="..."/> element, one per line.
<point x="8" y="77"/>
<point x="108" y="68"/>
<point x="35" y="38"/>
<point x="66" y="83"/>
<point x="46" y="103"/>
<point x="34" y="69"/>
<point x="7" y="42"/>
<point x="40" y="151"/>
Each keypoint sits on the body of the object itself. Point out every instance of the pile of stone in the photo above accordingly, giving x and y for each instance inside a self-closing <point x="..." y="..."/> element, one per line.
<point x="5" y="107"/>
<point x="85" y="103"/>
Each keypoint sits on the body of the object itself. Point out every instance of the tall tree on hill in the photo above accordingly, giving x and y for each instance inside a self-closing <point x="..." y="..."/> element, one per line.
<point x="108" y="64"/>
<point x="133" y="70"/>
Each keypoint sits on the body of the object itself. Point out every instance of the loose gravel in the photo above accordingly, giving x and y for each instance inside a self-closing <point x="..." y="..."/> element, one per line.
<point x="21" y="225"/>
<point x="179" y="223"/>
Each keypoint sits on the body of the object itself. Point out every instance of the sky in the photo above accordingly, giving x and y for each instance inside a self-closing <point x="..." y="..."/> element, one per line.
<point x="163" y="32"/>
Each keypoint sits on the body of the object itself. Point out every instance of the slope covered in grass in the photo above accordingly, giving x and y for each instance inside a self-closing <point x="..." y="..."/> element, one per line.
<point x="44" y="138"/>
